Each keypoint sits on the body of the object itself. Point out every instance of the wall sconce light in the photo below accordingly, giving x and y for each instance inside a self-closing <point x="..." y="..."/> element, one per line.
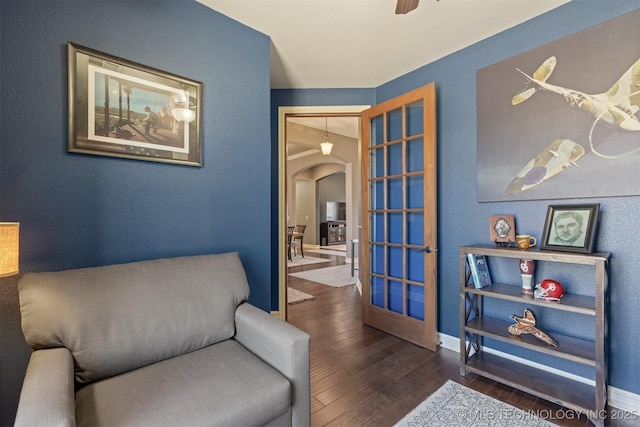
<point x="183" y="114"/>
<point x="326" y="145"/>
<point x="181" y="111"/>
<point x="9" y="248"/>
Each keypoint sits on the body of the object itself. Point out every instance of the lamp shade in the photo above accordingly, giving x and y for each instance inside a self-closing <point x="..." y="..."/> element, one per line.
<point x="9" y="248"/>
<point x="183" y="114"/>
<point x="326" y="148"/>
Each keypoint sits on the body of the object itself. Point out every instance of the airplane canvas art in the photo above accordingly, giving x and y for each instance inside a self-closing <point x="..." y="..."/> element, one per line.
<point x="563" y="120"/>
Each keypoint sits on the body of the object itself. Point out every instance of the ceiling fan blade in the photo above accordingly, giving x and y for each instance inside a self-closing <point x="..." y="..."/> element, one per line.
<point x="406" y="6"/>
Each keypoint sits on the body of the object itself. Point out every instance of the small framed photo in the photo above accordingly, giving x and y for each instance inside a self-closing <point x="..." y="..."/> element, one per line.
<point x="502" y="229"/>
<point x="120" y="108"/>
<point x="570" y="228"/>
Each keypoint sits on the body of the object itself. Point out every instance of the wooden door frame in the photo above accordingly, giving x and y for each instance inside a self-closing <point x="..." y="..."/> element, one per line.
<point x="283" y="112"/>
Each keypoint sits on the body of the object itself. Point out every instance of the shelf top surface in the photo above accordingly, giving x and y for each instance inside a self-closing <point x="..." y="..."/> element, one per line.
<point x="567" y="392"/>
<point x="575" y="349"/>
<point x="535" y="253"/>
<point x="569" y="302"/>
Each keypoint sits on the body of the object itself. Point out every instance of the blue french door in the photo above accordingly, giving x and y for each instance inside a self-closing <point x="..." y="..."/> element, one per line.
<point x="399" y="255"/>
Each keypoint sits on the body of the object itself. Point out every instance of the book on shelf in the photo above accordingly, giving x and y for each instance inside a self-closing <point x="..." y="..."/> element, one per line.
<point x="479" y="270"/>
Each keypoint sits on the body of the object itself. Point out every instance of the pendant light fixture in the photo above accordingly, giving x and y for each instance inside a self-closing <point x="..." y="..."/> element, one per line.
<point x="326" y="145"/>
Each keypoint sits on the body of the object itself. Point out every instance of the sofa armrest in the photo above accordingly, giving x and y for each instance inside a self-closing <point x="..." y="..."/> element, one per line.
<point x="48" y="394"/>
<point x="285" y="348"/>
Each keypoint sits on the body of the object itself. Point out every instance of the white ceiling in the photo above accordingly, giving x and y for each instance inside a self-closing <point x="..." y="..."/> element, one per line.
<point x="363" y="43"/>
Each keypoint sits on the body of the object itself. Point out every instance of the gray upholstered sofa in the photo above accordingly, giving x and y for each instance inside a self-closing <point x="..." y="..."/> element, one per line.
<point x="165" y="342"/>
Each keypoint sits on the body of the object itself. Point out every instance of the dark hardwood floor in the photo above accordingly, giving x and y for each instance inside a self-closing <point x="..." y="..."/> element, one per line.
<point x="361" y="376"/>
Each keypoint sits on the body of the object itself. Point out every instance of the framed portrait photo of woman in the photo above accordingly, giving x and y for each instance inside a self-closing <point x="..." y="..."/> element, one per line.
<point x="570" y="228"/>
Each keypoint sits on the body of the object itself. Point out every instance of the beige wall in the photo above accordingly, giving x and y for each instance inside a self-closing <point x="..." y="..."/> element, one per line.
<point x="305" y="212"/>
<point x="313" y="166"/>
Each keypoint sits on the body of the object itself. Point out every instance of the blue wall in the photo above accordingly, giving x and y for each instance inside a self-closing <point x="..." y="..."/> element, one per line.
<point x="464" y="221"/>
<point x="455" y="78"/>
<point x="80" y="210"/>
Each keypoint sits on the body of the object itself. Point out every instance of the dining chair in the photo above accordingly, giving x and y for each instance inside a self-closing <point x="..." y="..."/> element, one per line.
<point x="290" y="231"/>
<point x="299" y="235"/>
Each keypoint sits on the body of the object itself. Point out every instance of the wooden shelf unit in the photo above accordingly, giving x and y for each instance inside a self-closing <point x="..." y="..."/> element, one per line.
<point x="583" y="398"/>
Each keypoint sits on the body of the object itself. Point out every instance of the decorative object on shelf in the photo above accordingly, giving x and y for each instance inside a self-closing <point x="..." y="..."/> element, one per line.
<point x="549" y="289"/>
<point x="527" y="267"/>
<point x="527" y="325"/>
<point x="571" y="228"/>
<point x="326" y="145"/>
<point x="119" y="108"/>
<point x="9" y="248"/>
<point x="502" y="229"/>
<point x="479" y="271"/>
<point x="525" y="241"/>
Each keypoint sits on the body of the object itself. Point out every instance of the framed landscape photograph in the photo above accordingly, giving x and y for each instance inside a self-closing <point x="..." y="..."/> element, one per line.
<point x="570" y="228"/>
<point x="119" y="108"/>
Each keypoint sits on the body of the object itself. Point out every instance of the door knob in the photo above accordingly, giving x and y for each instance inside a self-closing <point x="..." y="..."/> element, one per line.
<point x="426" y="249"/>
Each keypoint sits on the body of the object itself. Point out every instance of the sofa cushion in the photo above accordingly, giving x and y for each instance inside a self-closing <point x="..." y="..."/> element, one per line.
<point x="120" y="317"/>
<point x="220" y="385"/>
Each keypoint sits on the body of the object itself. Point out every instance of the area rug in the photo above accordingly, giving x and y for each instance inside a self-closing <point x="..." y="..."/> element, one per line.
<point x="327" y="251"/>
<point x="299" y="260"/>
<point x="295" y="296"/>
<point x="456" y="405"/>
<point x="332" y="276"/>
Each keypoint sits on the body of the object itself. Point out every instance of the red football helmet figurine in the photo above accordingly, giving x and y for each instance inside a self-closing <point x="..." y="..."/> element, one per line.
<point x="549" y="290"/>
